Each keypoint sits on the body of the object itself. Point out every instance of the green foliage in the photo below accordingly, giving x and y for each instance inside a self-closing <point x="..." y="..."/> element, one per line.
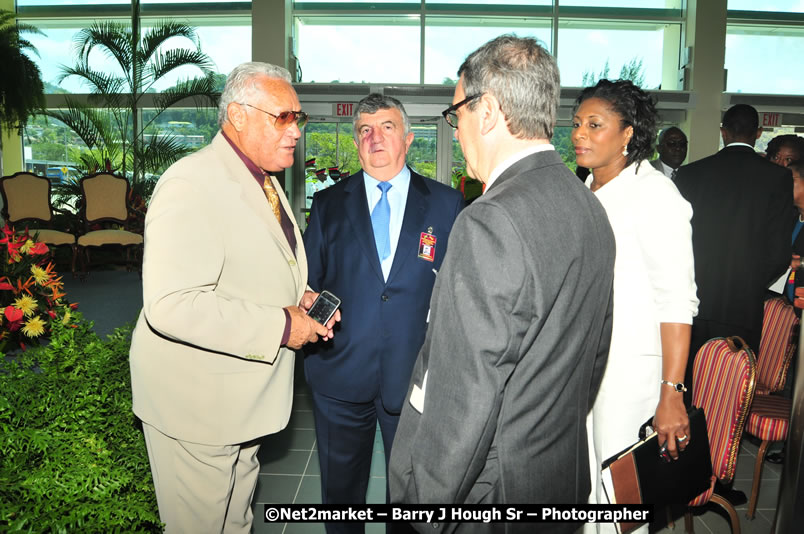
<point x="633" y="70"/>
<point x="109" y="123"/>
<point x="21" y="88"/>
<point x="72" y="458"/>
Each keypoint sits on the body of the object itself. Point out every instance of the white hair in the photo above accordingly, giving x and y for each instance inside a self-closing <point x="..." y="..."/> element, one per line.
<point x="240" y="85"/>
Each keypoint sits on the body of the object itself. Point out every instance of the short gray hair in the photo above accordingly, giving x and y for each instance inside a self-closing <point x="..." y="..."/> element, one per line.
<point x="374" y="103"/>
<point x="240" y="84"/>
<point x="523" y="77"/>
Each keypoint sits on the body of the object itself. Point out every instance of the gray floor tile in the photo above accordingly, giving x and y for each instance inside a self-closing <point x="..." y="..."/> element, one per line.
<point x="302" y="401"/>
<point x="280" y="489"/>
<point x="286" y="463"/>
<point x="376" y="491"/>
<point x="302" y="419"/>
<point x="378" y="464"/>
<point x="716" y="522"/>
<point x="313" y="467"/>
<point x="305" y="528"/>
<point x="310" y="490"/>
<point x="259" y="526"/>
<point x="299" y="439"/>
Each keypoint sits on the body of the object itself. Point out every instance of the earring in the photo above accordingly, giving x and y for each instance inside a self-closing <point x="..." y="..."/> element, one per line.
<point x="625" y="151"/>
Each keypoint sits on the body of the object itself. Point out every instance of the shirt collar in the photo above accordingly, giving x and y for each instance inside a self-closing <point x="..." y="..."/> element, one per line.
<point x="503" y="166"/>
<point x="737" y="143"/>
<point x="402" y="178"/>
<point x="255" y="171"/>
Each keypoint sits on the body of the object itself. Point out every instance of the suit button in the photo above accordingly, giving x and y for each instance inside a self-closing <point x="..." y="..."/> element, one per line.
<point x="384" y="298"/>
<point x="435" y="525"/>
<point x="292" y="262"/>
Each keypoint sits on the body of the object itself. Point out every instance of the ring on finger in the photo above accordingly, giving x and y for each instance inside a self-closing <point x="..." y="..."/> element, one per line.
<point x="682" y="438"/>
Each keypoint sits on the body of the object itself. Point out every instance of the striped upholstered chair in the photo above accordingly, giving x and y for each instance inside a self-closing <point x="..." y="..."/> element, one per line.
<point x="724" y="378"/>
<point x="770" y="414"/>
<point x="776" y="347"/>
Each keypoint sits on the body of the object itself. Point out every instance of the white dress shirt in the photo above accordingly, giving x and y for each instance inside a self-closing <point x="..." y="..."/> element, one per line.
<point x="503" y="166"/>
<point x="397" y="198"/>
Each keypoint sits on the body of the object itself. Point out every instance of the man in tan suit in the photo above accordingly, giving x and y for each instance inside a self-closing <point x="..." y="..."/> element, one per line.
<point x="224" y="300"/>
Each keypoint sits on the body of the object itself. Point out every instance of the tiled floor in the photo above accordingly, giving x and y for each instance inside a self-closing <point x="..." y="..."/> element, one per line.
<point x="289" y="469"/>
<point x="289" y="474"/>
<point x="289" y="459"/>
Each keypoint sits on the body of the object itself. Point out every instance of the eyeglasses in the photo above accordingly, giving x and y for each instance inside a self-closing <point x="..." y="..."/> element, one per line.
<point x="286" y="118"/>
<point x="450" y="114"/>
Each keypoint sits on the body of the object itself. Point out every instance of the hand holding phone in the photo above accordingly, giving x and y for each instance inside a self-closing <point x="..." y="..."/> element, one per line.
<point x="324" y="307"/>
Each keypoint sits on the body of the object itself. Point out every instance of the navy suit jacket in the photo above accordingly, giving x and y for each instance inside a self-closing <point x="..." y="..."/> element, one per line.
<point x="382" y="323"/>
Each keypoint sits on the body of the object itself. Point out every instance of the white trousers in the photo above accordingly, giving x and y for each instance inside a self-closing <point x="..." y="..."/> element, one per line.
<point x="202" y="488"/>
<point x="628" y="397"/>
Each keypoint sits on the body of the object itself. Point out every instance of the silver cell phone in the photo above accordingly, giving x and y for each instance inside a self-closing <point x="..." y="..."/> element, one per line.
<point x="324" y="307"/>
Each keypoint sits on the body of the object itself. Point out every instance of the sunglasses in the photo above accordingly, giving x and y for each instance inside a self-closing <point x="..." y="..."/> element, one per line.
<point x="286" y="118"/>
<point x="450" y="114"/>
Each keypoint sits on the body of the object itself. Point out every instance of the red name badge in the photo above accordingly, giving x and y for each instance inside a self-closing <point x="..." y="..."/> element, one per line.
<point x="427" y="246"/>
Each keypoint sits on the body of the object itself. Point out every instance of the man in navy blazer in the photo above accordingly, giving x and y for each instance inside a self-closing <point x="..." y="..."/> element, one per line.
<point x="383" y="268"/>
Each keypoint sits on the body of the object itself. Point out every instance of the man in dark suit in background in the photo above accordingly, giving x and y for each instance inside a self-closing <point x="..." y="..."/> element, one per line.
<point x="741" y="231"/>
<point x="521" y="311"/>
<point x="376" y="240"/>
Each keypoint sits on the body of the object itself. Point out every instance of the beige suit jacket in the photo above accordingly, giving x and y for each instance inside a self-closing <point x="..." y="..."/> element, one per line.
<point x="206" y="360"/>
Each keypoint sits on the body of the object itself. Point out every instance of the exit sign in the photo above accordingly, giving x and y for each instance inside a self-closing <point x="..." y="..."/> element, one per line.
<point x="770" y="120"/>
<point x="344" y="109"/>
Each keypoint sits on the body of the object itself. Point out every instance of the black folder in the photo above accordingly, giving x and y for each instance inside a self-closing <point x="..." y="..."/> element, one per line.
<point x="641" y="476"/>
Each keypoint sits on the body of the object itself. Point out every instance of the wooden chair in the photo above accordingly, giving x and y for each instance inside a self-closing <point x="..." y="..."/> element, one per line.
<point x="769" y="419"/>
<point x="724" y="376"/>
<point x="26" y="199"/>
<point x="104" y="202"/>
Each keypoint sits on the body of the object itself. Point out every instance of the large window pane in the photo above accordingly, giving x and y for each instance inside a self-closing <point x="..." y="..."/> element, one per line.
<point x="359" y="49"/>
<point x="494" y="5"/>
<point x="59" y="3"/>
<point x="228" y="44"/>
<point x="448" y="40"/>
<point x="654" y="4"/>
<point x="588" y="51"/>
<point x="48" y="143"/>
<point x="786" y="6"/>
<point x="422" y="152"/>
<point x="764" y="59"/>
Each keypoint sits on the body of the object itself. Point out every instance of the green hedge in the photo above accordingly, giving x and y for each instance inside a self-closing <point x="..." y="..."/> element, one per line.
<point x="72" y="455"/>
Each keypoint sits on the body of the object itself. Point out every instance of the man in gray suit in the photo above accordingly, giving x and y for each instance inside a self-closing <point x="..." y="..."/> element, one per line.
<point x="520" y="318"/>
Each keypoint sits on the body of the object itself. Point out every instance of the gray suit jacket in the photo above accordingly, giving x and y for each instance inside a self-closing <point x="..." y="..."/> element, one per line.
<point x="519" y="334"/>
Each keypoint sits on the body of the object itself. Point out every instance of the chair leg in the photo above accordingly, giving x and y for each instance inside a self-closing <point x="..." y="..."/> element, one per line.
<point x="752" y="502"/>
<point x="726" y="505"/>
<point x="688" y="524"/>
<point x="669" y="513"/>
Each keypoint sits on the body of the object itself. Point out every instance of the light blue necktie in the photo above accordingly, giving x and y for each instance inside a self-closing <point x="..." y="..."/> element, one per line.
<point x="380" y="221"/>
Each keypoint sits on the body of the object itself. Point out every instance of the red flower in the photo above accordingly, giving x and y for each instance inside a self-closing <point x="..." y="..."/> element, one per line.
<point x="5" y="286"/>
<point x="52" y="314"/>
<point x="13" y="314"/>
<point x="38" y="248"/>
<point x="74" y="306"/>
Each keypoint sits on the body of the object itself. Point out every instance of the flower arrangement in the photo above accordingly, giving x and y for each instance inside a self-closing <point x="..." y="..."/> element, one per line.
<point x="31" y="293"/>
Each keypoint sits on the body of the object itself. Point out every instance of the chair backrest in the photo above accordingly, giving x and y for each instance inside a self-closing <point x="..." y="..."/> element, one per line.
<point x="26" y="196"/>
<point x="724" y="376"/>
<point x="105" y="198"/>
<point x="777" y="344"/>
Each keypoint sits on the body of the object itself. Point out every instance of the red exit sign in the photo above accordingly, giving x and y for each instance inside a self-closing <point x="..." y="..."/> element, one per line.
<point x="344" y="109"/>
<point x="770" y="120"/>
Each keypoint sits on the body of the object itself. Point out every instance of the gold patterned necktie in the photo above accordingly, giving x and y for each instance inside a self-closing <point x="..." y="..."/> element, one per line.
<point x="272" y="195"/>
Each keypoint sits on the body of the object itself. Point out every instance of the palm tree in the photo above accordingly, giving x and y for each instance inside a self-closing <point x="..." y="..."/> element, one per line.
<point x="21" y="88"/>
<point x="109" y="122"/>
